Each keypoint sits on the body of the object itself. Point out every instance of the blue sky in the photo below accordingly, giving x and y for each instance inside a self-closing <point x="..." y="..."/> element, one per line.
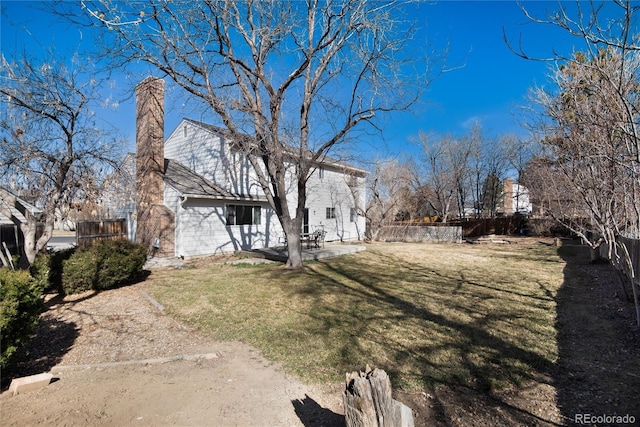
<point x="487" y="83"/>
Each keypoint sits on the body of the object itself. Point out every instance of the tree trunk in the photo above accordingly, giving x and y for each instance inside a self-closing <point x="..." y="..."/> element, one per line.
<point x="294" y="249"/>
<point x="594" y="255"/>
<point x="623" y="284"/>
<point x="368" y="402"/>
<point x="294" y="246"/>
<point x="32" y="246"/>
<point x="28" y="255"/>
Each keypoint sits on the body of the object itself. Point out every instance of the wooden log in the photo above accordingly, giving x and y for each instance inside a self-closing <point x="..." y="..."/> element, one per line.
<point x="2" y="258"/>
<point x="368" y="401"/>
<point x="6" y="249"/>
<point x="358" y="404"/>
<point x="382" y="400"/>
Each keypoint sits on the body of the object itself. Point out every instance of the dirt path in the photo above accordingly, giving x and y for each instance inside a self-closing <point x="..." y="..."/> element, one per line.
<point x="235" y="386"/>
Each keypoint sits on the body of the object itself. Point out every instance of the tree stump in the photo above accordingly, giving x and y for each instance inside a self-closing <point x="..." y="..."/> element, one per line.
<point x="368" y="402"/>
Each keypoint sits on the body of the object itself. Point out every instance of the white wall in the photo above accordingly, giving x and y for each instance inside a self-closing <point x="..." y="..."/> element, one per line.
<point x="201" y="224"/>
<point x="209" y="155"/>
<point x="201" y="229"/>
<point x="333" y="191"/>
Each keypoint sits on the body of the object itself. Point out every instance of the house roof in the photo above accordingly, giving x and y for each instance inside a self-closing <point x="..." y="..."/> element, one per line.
<point x="190" y="184"/>
<point x="292" y="151"/>
<point x="12" y="207"/>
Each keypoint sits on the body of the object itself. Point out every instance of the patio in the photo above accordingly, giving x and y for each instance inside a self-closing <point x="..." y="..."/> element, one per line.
<point x="330" y="250"/>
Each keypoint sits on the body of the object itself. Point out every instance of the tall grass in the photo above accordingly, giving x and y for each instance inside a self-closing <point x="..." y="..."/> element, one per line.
<point x="427" y="314"/>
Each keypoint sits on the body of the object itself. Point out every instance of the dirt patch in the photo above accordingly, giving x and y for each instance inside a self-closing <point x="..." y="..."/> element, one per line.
<point x="596" y="373"/>
<point x="81" y="339"/>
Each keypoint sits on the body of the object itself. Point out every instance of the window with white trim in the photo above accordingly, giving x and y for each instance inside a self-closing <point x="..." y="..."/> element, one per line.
<point x="243" y="215"/>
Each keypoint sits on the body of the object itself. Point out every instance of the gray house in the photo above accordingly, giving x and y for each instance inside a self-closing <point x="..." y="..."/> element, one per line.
<point x="197" y="193"/>
<point x="13" y="214"/>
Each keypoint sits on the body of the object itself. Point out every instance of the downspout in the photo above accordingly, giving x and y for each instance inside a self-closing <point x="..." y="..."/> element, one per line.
<point x="178" y="242"/>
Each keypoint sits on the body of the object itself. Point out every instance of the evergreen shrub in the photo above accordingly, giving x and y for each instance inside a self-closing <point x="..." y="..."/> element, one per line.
<point x="104" y="265"/>
<point x="20" y="308"/>
<point x="47" y="269"/>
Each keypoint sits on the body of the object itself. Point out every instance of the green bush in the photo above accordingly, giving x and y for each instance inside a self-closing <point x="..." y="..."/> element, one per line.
<point x="79" y="272"/>
<point x="104" y="265"/>
<point x="47" y="269"/>
<point x="20" y="307"/>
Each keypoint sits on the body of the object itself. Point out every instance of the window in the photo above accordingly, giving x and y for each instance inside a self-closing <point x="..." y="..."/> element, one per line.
<point x="320" y="172"/>
<point x="331" y="213"/>
<point x="243" y="215"/>
<point x="354" y="215"/>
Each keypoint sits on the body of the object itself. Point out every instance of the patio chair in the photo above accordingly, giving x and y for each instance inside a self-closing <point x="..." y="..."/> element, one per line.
<point x="318" y="238"/>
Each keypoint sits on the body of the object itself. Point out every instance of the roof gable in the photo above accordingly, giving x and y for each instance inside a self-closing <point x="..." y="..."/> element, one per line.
<point x="326" y="161"/>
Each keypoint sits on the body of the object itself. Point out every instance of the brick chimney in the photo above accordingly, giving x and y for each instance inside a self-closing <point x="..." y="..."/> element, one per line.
<point x="508" y="198"/>
<point x="149" y="141"/>
<point x="154" y="220"/>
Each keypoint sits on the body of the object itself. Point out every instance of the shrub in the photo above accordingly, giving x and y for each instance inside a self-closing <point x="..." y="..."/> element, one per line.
<point x="20" y="307"/>
<point x="104" y="265"/>
<point x="79" y="272"/>
<point x="47" y="269"/>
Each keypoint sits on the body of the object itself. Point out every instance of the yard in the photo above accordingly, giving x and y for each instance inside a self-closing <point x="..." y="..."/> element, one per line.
<point x="427" y="314"/>
<point x="496" y="322"/>
<point x="514" y="334"/>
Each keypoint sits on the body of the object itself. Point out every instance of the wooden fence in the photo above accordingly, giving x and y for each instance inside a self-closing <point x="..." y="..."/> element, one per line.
<point x="453" y="231"/>
<point x="619" y="262"/>
<point x="87" y="232"/>
<point x="11" y="236"/>
<point x="509" y="225"/>
<point x="629" y="267"/>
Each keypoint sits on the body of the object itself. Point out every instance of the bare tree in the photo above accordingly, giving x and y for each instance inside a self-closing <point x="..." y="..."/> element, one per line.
<point x="518" y="152"/>
<point x="590" y="144"/>
<point x="444" y="165"/>
<point x="388" y="184"/>
<point x="51" y="145"/>
<point x="476" y="172"/>
<point x="594" y="112"/>
<point x="456" y="169"/>
<point x="592" y="137"/>
<point x="296" y="77"/>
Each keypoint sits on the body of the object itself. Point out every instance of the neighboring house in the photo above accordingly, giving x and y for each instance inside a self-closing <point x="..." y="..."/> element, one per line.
<point x="13" y="212"/>
<point x="515" y="199"/>
<point x="118" y="197"/>
<point x="197" y="193"/>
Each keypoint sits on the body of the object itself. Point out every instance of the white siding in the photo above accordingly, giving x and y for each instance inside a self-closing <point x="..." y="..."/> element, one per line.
<point x="201" y="229"/>
<point x="209" y="155"/>
<point x="333" y="191"/>
<point x="201" y="151"/>
<point x="201" y="223"/>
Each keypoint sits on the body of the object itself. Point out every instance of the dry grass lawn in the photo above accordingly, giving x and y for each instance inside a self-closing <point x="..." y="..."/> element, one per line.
<point x="427" y="314"/>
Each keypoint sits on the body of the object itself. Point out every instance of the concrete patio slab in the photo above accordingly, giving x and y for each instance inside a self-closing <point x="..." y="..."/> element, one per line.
<point x="328" y="251"/>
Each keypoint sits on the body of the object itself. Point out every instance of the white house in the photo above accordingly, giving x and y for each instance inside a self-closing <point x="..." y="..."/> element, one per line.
<point x="197" y="193"/>
<point x="515" y="198"/>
